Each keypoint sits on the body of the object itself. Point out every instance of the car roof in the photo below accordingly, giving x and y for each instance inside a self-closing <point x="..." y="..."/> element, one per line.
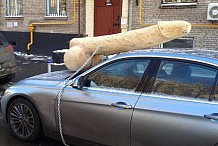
<point x="198" y="55"/>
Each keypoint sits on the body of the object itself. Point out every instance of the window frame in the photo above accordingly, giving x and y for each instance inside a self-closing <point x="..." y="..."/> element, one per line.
<point x="154" y="76"/>
<point x="178" y="3"/>
<point x="142" y="82"/>
<point x="48" y="7"/>
<point x="214" y="89"/>
<point x="8" y="9"/>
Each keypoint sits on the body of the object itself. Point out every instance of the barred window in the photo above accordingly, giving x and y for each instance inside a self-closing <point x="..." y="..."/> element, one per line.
<point x="56" y="8"/>
<point x="14" y="8"/>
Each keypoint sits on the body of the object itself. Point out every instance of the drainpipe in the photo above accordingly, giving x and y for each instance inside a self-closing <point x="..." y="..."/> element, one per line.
<point x="140" y="15"/>
<point x="33" y="25"/>
<point x="31" y="28"/>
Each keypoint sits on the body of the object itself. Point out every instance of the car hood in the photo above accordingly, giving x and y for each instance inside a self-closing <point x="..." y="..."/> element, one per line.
<point x="53" y="76"/>
<point x="47" y="79"/>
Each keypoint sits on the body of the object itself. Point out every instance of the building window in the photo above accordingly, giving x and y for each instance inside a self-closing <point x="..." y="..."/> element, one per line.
<point x="179" y="43"/>
<point x="14" y="8"/>
<point x="56" y="8"/>
<point x="178" y="2"/>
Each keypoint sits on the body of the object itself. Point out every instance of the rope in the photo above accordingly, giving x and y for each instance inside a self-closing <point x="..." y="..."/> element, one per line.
<point x="61" y="91"/>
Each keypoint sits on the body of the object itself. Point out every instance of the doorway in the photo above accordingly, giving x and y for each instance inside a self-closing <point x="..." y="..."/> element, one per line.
<point x="107" y="17"/>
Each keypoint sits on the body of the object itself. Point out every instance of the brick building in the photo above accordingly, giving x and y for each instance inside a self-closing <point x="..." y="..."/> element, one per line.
<point x="204" y="32"/>
<point x="55" y="22"/>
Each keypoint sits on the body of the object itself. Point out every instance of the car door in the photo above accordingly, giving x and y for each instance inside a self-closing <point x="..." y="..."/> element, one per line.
<point x="101" y="111"/>
<point x="180" y="110"/>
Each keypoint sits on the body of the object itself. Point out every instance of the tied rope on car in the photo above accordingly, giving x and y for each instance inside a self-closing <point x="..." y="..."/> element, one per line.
<point x="61" y="91"/>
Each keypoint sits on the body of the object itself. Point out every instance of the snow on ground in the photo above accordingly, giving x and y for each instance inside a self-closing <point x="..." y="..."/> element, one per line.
<point x="32" y="56"/>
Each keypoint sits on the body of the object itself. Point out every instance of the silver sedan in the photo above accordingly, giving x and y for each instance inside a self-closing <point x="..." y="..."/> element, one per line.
<point x="144" y="98"/>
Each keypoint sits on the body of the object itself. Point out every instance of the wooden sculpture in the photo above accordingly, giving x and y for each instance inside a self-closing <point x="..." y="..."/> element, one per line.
<point x="82" y="48"/>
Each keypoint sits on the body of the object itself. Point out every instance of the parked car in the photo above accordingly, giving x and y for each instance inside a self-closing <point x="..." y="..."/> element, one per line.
<point x="142" y="98"/>
<point x="7" y="60"/>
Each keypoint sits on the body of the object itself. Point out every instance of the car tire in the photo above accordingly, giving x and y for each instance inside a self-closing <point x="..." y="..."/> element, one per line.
<point x="23" y="120"/>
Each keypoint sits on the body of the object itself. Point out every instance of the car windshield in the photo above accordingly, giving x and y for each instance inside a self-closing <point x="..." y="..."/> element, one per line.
<point x="3" y="41"/>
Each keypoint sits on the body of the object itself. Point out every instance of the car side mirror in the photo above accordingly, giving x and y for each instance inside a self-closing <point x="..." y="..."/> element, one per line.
<point x="78" y="82"/>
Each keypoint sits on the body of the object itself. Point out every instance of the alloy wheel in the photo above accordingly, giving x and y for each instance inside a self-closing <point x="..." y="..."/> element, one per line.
<point x="22" y="120"/>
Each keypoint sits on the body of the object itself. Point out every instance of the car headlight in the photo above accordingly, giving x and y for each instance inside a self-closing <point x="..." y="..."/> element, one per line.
<point x="7" y="92"/>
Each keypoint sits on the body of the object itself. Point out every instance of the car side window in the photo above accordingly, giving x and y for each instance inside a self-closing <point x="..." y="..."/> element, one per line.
<point x="183" y="79"/>
<point x="121" y="75"/>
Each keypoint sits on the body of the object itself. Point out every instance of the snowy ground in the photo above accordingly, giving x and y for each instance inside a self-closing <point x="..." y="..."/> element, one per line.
<point x="30" y="65"/>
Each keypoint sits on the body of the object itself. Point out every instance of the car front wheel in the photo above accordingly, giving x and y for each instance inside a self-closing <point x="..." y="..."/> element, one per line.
<point x="23" y="119"/>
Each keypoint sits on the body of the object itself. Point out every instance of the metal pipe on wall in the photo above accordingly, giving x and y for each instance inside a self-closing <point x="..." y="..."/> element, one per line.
<point x="32" y="25"/>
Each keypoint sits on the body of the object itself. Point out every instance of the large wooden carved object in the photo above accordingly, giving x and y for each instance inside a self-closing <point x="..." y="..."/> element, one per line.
<point x="82" y="48"/>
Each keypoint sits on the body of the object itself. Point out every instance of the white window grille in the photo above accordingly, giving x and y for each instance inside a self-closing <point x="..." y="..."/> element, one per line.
<point x="14" y="8"/>
<point x="56" y="8"/>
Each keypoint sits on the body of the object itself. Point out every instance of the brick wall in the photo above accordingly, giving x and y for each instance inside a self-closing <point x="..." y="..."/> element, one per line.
<point x="34" y="11"/>
<point x="46" y="37"/>
<point x="152" y="12"/>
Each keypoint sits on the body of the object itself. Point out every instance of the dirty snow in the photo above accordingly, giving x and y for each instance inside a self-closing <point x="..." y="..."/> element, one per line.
<point x="31" y="56"/>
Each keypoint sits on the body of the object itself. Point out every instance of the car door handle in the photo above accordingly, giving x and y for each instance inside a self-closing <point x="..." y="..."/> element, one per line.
<point x="121" y="105"/>
<point x="213" y="116"/>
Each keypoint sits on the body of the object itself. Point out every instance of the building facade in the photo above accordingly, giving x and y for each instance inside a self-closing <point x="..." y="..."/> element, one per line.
<point x="55" y="22"/>
<point x="204" y="33"/>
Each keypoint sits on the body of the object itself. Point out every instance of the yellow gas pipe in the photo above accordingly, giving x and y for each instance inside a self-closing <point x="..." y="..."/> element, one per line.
<point x="32" y="25"/>
<point x="193" y="25"/>
<point x="31" y="28"/>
